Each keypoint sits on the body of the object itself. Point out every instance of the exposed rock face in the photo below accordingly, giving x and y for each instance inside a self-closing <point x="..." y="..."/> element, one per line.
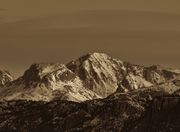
<point x="48" y="82"/>
<point x="131" y="82"/>
<point x="38" y="71"/>
<point x="5" y="78"/>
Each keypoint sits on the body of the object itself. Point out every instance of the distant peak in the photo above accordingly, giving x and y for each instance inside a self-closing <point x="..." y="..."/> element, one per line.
<point x="43" y="68"/>
<point x="38" y="70"/>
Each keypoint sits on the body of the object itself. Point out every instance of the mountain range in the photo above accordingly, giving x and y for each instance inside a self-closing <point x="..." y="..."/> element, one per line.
<point x="91" y="76"/>
<point x="92" y="93"/>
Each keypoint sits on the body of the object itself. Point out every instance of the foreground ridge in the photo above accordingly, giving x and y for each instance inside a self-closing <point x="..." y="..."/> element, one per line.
<point x="136" y="111"/>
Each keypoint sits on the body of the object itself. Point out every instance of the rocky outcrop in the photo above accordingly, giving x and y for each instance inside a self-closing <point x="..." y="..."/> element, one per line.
<point x="5" y="78"/>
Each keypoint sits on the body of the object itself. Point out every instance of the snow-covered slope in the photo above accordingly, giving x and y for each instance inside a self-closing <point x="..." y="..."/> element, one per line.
<point x="104" y="74"/>
<point x="140" y="77"/>
<point x="5" y="77"/>
<point x="99" y="72"/>
<point x="47" y="82"/>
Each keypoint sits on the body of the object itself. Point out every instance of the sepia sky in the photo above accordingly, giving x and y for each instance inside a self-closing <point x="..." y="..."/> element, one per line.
<point x="139" y="31"/>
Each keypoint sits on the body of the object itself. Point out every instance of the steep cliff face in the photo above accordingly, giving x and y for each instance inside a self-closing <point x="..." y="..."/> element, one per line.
<point x="48" y="82"/>
<point x="5" y="78"/>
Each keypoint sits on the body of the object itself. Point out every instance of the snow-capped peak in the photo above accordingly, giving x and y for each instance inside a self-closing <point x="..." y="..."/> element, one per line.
<point x="99" y="72"/>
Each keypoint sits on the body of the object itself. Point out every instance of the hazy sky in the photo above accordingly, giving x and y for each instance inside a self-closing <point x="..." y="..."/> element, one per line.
<point x="139" y="31"/>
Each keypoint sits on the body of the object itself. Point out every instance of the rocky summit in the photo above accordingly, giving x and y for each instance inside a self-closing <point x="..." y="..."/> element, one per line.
<point x="99" y="72"/>
<point x="94" y="93"/>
